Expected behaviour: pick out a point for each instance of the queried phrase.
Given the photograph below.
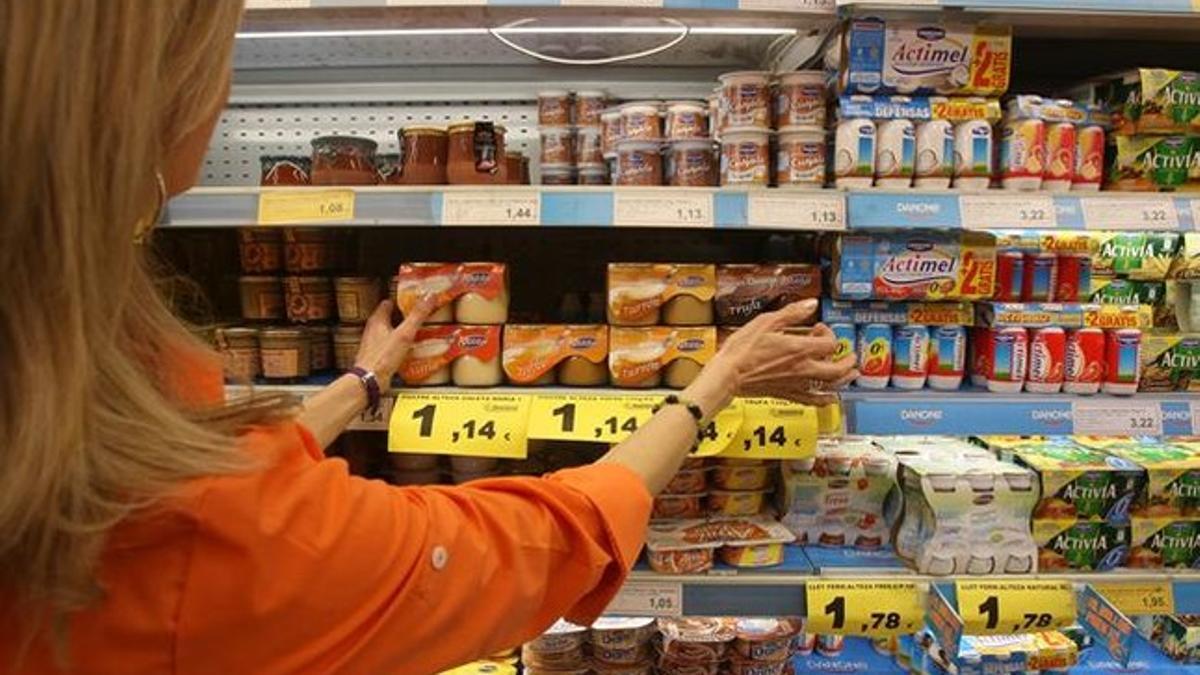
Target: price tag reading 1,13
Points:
(289, 207)
(663, 208)
(1117, 418)
(998, 607)
(583, 417)
(774, 429)
(798, 211)
(478, 425)
(874, 608)
(494, 207)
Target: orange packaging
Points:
(447, 281)
(436, 347)
(638, 291)
(530, 352)
(657, 355)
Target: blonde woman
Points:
(146, 526)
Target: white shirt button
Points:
(440, 557)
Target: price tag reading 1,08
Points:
(478, 425)
(289, 207)
(874, 608)
(998, 607)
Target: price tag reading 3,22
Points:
(478, 425)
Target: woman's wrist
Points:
(713, 390)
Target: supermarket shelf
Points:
(763, 208)
(536, 206)
(981, 412)
(998, 209)
(259, 7)
(1063, 19)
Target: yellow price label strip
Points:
(872, 608)
(1139, 598)
(1001, 607)
(588, 417)
(286, 207)
(774, 429)
(474, 425)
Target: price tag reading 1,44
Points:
(774, 429)
(1117, 418)
(583, 417)
(288, 207)
(874, 608)
(998, 607)
(491, 207)
(478, 425)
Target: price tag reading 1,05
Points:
(644, 598)
(289, 207)
(478, 425)
(998, 607)
(873, 608)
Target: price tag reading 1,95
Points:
(998, 607)
(584, 417)
(774, 429)
(288, 207)
(1139, 598)
(874, 608)
(478, 425)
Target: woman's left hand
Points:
(383, 347)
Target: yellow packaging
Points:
(531, 352)
(657, 355)
(638, 292)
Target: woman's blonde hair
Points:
(93, 422)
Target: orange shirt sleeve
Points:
(304, 568)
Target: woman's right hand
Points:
(761, 359)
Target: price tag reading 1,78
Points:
(582, 417)
(478, 425)
(999, 607)
(873, 608)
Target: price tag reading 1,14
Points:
(478, 425)
(874, 608)
(774, 429)
(663, 208)
(999, 607)
(495, 207)
(582, 417)
(289, 207)
(1117, 418)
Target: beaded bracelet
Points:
(693, 409)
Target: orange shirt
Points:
(301, 568)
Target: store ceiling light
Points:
(515, 30)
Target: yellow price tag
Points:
(286, 207)
(774, 429)
(721, 431)
(873, 608)
(829, 419)
(588, 417)
(474, 425)
(1138, 598)
(1000, 607)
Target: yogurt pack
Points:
(907, 57)
(914, 266)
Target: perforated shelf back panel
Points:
(245, 133)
